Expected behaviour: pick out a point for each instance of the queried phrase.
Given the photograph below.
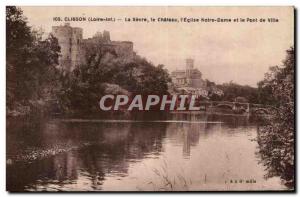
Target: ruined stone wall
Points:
(123, 48)
(74, 48)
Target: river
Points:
(179, 153)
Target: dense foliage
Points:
(276, 137)
(232, 92)
(31, 64)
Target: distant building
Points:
(189, 80)
(73, 46)
(190, 77)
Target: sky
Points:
(237, 51)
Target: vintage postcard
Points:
(150, 98)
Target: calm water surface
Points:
(182, 152)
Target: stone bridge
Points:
(237, 107)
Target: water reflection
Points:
(100, 155)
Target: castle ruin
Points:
(74, 47)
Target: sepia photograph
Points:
(150, 99)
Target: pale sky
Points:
(241, 52)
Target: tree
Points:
(232, 91)
(276, 136)
(18, 37)
(32, 75)
(18, 33)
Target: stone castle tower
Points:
(189, 70)
(189, 67)
(73, 46)
(189, 63)
(70, 40)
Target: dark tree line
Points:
(262, 94)
(234, 92)
(31, 64)
(276, 136)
